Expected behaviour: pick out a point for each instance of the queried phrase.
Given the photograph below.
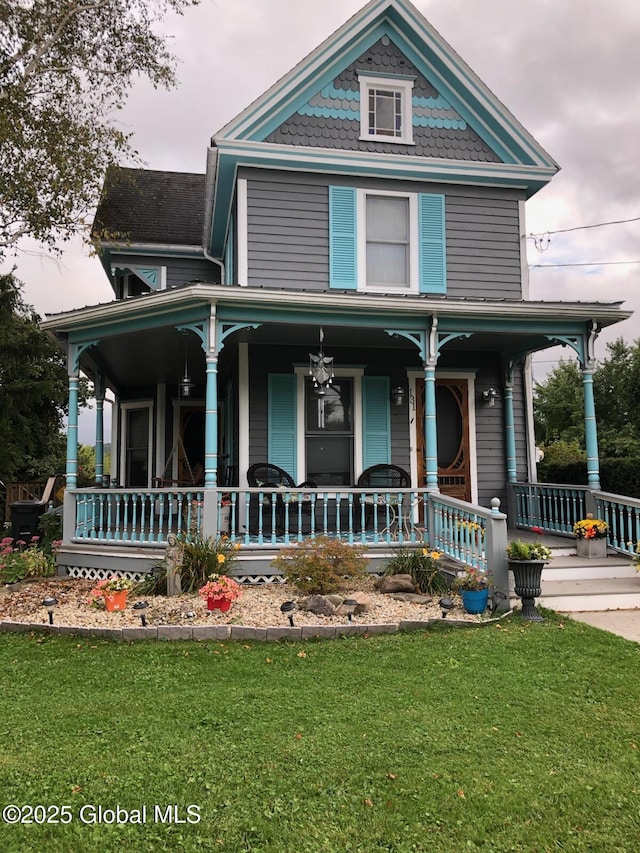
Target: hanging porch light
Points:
(321, 369)
(186, 386)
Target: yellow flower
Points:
(221, 558)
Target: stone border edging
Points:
(243, 632)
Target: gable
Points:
(310, 120)
(331, 118)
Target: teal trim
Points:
(510, 434)
(329, 112)
(343, 228)
(432, 237)
(590, 431)
(430, 428)
(150, 275)
(431, 121)
(138, 321)
(282, 438)
(376, 421)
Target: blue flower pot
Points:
(475, 600)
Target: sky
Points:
(567, 69)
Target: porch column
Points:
(72, 434)
(430, 430)
(99, 392)
(590, 429)
(509, 427)
(211, 424)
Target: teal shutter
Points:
(282, 445)
(343, 253)
(376, 441)
(433, 252)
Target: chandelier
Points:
(321, 369)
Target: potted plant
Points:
(473, 586)
(526, 561)
(113, 591)
(591, 536)
(219, 592)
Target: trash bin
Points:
(25, 516)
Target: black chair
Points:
(384, 477)
(276, 480)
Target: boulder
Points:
(363, 606)
(395, 583)
(411, 597)
(318, 604)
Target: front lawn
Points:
(515, 737)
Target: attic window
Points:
(385, 109)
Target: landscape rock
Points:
(318, 604)
(412, 597)
(395, 583)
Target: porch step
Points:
(568, 566)
(575, 596)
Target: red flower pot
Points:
(116, 600)
(218, 603)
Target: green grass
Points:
(521, 737)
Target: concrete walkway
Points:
(625, 623)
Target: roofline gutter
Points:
(242, 297)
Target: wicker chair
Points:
(386, 478)
(275, 479)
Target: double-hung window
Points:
(388, 241)
(385, 108)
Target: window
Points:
(387, 242)
(385, 109)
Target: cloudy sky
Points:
(567, 69)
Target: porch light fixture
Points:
(490, 395)
(287, 608)
(49, 601)
(321, 369)
(186, 386)
(140, 607)
(398, 396)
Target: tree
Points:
(559, 406)
(33, 391)
(66, 67)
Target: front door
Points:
(452, 419)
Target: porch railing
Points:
(555, 509)
(268, 518)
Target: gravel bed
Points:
(258, 606)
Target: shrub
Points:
(321, 565)
(421, 564)
(202, 557)
(19, 560)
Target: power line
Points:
(584, 227)
(585, 264)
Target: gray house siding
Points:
(288, 233)
(490, 433)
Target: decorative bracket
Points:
(198, 329)
(75, 353)
(225, 329)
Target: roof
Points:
(144, 206)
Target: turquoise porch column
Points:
(590, 429)
(72, 434)
(510, 429)
(211, 424)
(99, 392)
(430, 428)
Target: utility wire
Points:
(584, 227)
(585, 264)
